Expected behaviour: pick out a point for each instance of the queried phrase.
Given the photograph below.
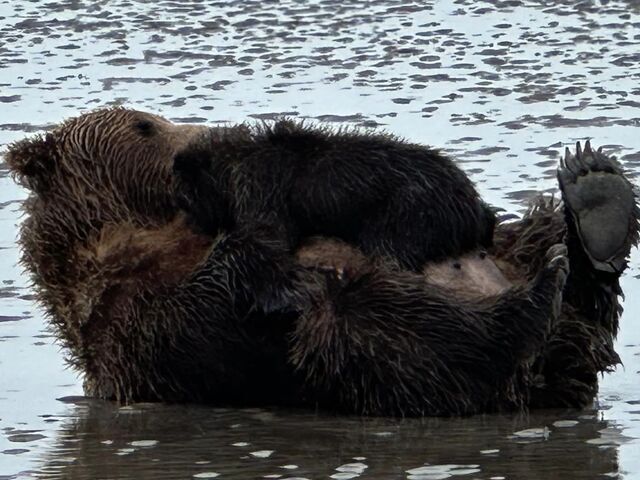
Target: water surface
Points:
(503, 86)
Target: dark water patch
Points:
(387, 115)
(42, 335)
(487, 151)
(12, 318)
(339, 118)
(426, 66)
(75, 400)
(9, 292)
(273, 115)
(464, 140)
(177, 102)
(537, 97)
(559, 121)
(473, 119)
(3, 205)
(109, 83)
(190, 72)
(547, 163)
(219, 85)
(25, 127)
(120, 61)
(550, 151)
(523, 196)
(190, 119)
(15, 451)
(24, 437)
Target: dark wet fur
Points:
(385, 195)
(131, 293)
(388, 344)
(580, 346)
(150, 310)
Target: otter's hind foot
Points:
(602, 203)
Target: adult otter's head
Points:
(102, 228)
(104, 171)
(110, 163)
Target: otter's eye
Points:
(457, 266)
(144, 128)
(483, 255)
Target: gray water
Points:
(502, 86)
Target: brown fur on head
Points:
(33, 161)
(101, 168)
(93, 181)
(116, 160)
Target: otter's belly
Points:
(471, 276)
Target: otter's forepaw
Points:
(337, 277)
(602, 204)
(558, 263)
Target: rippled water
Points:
(503, 86)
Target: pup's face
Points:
(474, 275)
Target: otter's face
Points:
(116, 161)
(471, 276)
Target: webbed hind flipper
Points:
(602, 203)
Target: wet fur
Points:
(364, 188)
(339, 342)
(387, 344)
(149, 309)
(580, 346)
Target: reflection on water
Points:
(502, 85)
(152, 441)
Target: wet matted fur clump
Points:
(171, 262)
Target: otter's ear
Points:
(32, 161)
